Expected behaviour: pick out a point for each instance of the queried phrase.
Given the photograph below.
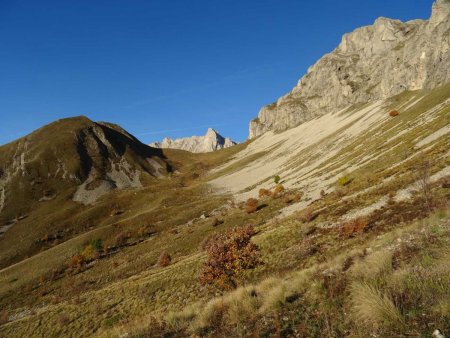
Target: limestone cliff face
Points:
(371, 63)
(212, 141)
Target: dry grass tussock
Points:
(373, 307)
(373, 266)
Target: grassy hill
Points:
(363, 252)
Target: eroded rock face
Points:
(212, 141)
(371, 63)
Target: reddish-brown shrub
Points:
(77, 262)
(307, 215)
(229, 255)
(251, 205)
(353, 227)
(63, 319)
(4, 317)
(264, 192)
(164, 259)
(292, 197)
(121, 239)
(393, 113)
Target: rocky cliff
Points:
(371, 63)
(212, 141)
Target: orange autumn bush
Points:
(229, 255)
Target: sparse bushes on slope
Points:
(251, 205)
(229, 255)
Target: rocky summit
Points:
(371, 63)
(211, 141)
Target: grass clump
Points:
(373, 307)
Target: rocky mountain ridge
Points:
(211, 141)
(371, 63)
(74, 156)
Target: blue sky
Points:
(166, 67)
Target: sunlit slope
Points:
(364, 138)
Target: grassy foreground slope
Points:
(365, 251)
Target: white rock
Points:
(212, 141)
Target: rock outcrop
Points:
(212, 141)
(371, 63)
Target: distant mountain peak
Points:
(211, 141)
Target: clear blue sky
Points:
(166, 67)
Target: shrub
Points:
(344, 181)
(292, 197)
(354, 226)
(307, 215)
(89, 252)
(77, 262)
(164, 259)
(121, 239)
(97, 244)
(229, 255)
(63, 319)
(393, 113)
(277, 179)
(251, 205)
(4, 317)
(264, 192)
(279, 189)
